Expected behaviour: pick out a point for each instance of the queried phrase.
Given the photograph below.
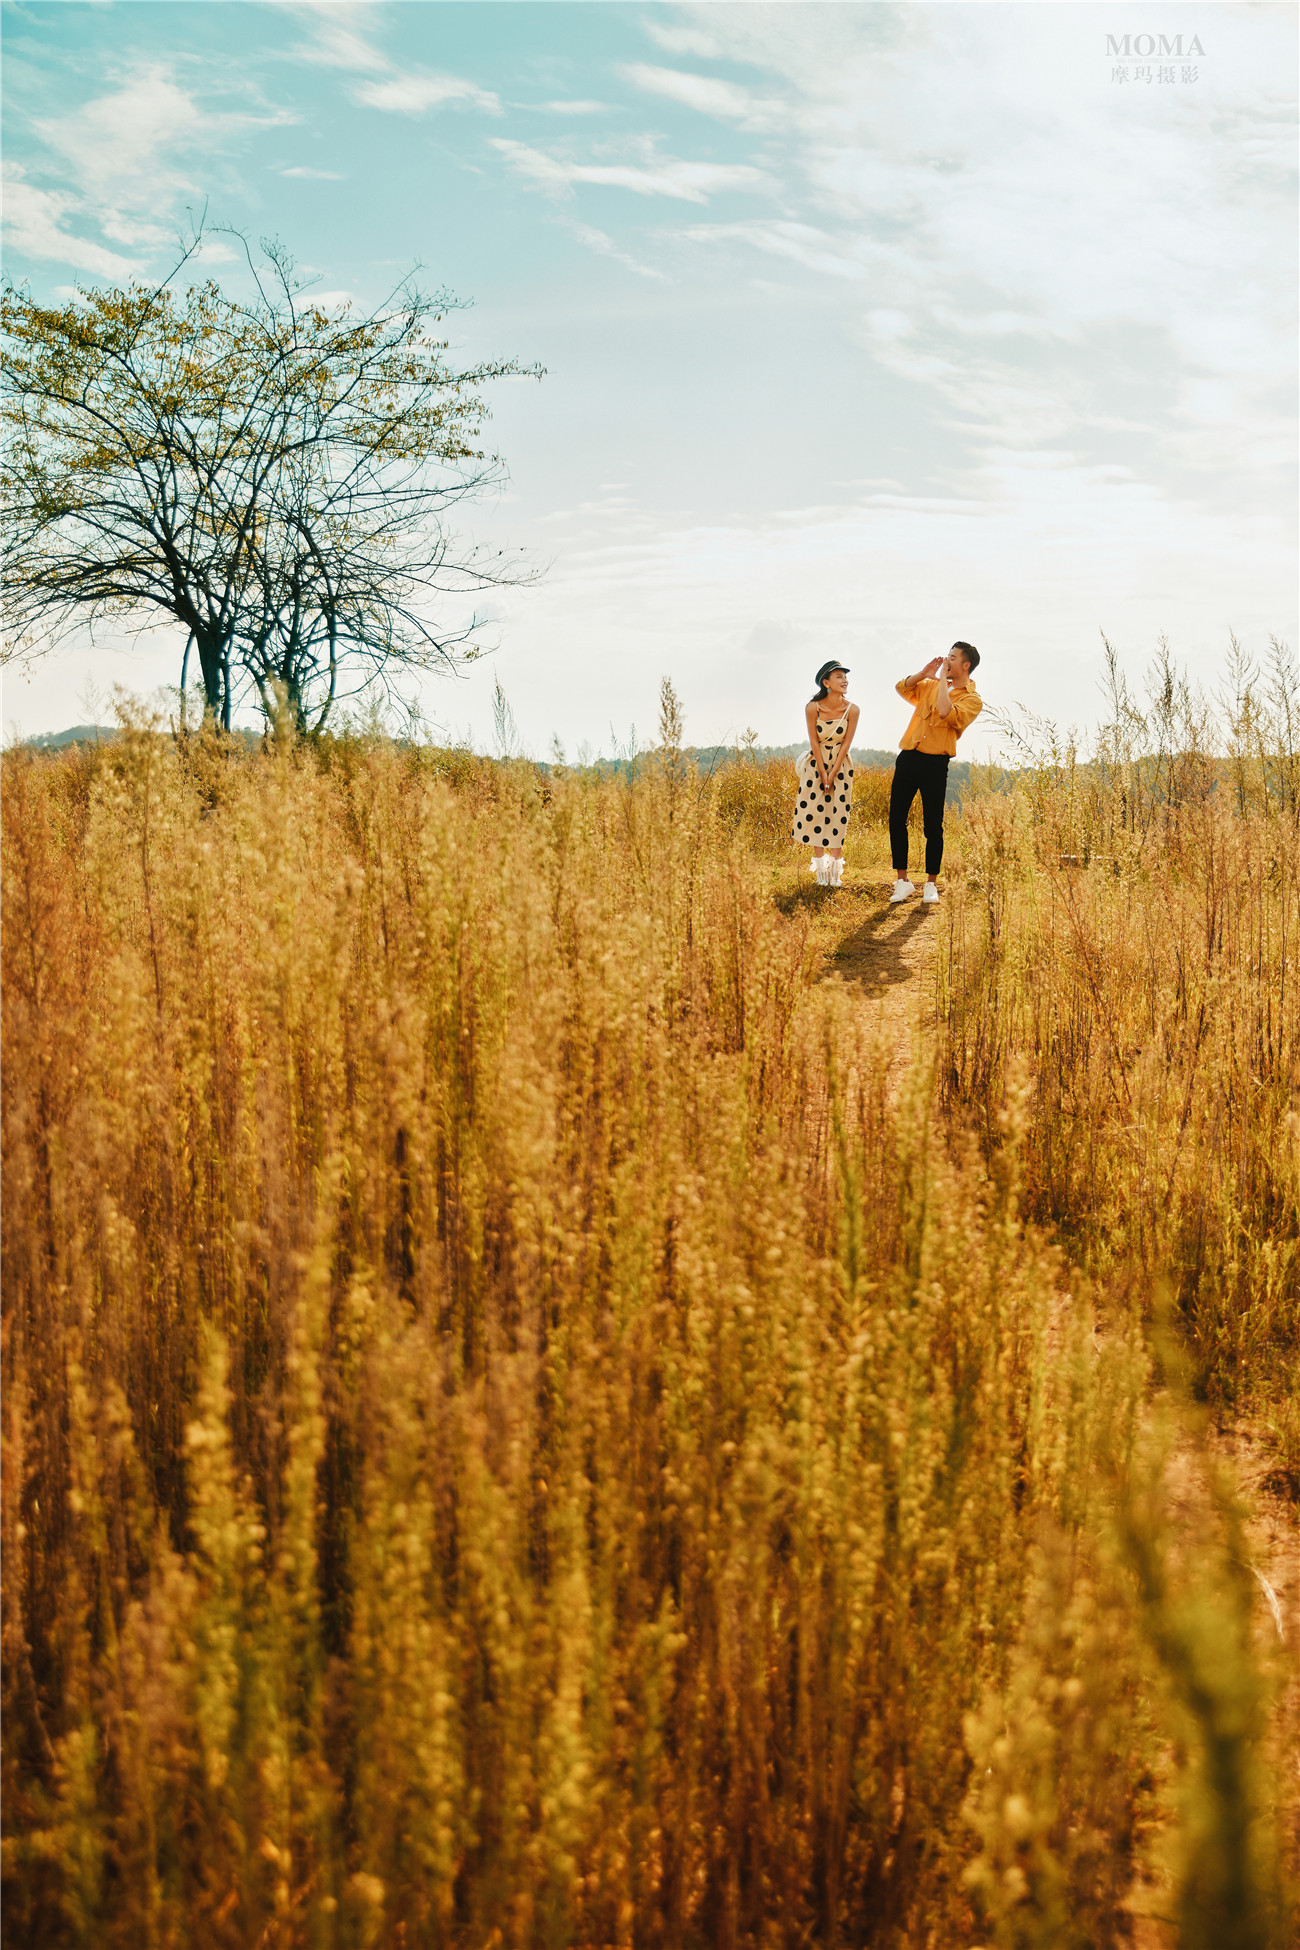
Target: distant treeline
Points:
(707, 757)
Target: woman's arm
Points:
(815, 742)
(849, 730)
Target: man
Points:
(944, 702)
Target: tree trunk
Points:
(296, 705)
(211, 663)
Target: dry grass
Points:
(513, 1438)
(753, 798)
(1135, 942)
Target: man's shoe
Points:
(903, 891)
(930, 898)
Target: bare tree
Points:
(274, 475)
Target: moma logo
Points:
(1146, 45)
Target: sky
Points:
(866, 327)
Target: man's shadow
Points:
(873, 955)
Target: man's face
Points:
(957, 668)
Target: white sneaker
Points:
(903, 891)
(837, 873)
(930, 898)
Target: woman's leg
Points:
(837, 846)
(901, 794)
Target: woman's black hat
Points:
(826, 670)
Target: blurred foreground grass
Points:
(516, 1435)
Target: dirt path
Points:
(884, 952)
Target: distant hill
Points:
(104, 734)
(79, 734)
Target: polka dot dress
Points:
(822, 818)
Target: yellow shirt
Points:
(928, 732)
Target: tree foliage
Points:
(273, 473)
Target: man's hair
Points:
(970, 653)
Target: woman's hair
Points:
(827, 670)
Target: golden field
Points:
(524, 1426)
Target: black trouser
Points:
(926, 773)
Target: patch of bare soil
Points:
(881, 951)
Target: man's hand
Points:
(932, 669)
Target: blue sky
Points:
(865, 326)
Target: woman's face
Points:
(838, 683)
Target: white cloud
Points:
(674, 39)
(886, 324)
(313, 175)
(686, 182)
(1040, 552)
(704, 93)
(999, 324)
(327, 300)
(565, 108)
(414, 94)
(337, 43)
(214, 249)
(802, 243)
(35, 222)
(604, 246)
(123, 146)
(119, 165)
(976, 167)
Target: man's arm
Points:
(943, 696)
(966, 707)
(910, 685)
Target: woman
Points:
(821, 814)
